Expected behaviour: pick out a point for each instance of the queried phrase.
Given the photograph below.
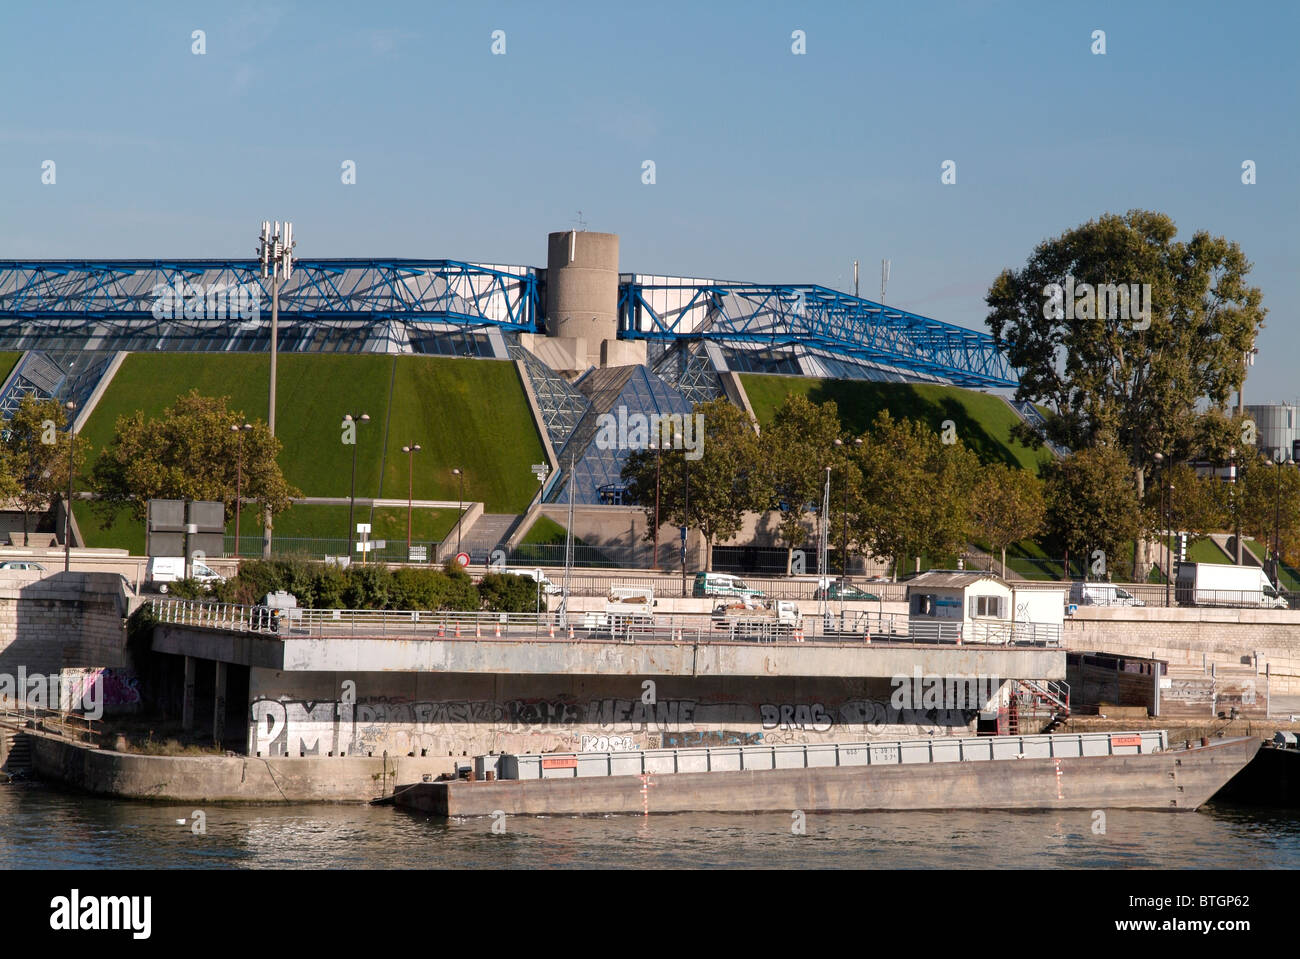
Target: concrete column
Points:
(219, 703)
(187, 700)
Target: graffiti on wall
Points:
(290, 727)
(118, 688)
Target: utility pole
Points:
(275, 251)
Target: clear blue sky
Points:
(769, 166)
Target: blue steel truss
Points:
(815, 318)
(117, 302)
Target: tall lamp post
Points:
(275, 252)
(1277, 518)
(72, 461)
(460, 515)
(1162, 491)
(844, 542)
(352, 500)
(239, 431)
(410, 452)
(1236, 513)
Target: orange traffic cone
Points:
(478, 630)
(442, 629)
(498, 633)
(551, 631)
(458, 630)
(570, 631)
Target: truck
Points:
(164, 570)
(742, 618)
(625, 607)
(1219, 584)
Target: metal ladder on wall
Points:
(1032, 694)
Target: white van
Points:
(168, 569)
(1102, 594)
(537, 576)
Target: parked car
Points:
(722, 584)
(22, 564)
(845, 591)
(163, 570)
(1102, 594)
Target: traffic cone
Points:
(570, 631)
(498, 633)
(458, 630)
(478, 630)
(442, 629)
(551, 631)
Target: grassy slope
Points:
(7, 363)
(983, 422)
(471, 413)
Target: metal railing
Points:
(283, 547)
(595, 625)
(61, 722)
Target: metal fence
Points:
(282, 547)
(684, 627)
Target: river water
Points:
(43, 826)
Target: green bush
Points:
(504, 593)
(320, 586)
(190, 589)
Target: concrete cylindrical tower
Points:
(582, 286)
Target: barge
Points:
(1272, 778)
(1136, 770)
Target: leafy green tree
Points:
(1269, 504)
(725, 482)
(189, 452)
(34, 464)
(1154, 373)
(1197, 505)
(1007, 506)
(795, 449)
(506, 593)
(914, 495)
(1092, 505)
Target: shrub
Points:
(504, 593)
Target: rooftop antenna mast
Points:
(855, 277)
(884, 278)
(582, 224)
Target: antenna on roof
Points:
(884, 278)
(582, 224)
(855, 277)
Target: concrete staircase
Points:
(488, 532)
(17, 750)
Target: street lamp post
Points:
(239, 432)
(658, 444)
(1236, 513)
(1164, 517)
(460, 515)
(844, 542)
(352, 500)
(72, 460)
(275, 252)
(1277, 520)
(410, 452)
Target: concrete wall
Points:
(1191, 637)
(62, 620)
(225, 779)
(316, 714)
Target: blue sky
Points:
(769, 166)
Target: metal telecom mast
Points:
(275, 252)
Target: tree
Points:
(189, 452)
(1197, 505)
(35, 460)
(725, 482)
(1092, 505)
(914, 494)
(1152, 372)
(796, 447)
(1007, 506)
(1270, 500)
